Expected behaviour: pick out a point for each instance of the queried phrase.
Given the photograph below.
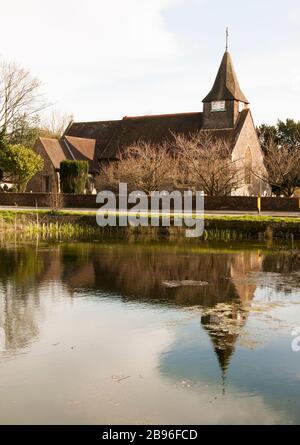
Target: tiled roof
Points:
(72, 149)
(226, 86)
(104, 140)
(83, 150)
(55, 151)
(102, 132)
(113, 136)
(152, 129)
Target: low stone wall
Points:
(46, 200)
(232, 203)
(280, 205)
(249, 204)
(24, 199)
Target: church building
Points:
(226, 114)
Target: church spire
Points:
(226, 86)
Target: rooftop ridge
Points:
(95, 122)
(77, 137)
(191, 113)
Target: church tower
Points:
(222, 106)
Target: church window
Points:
(47, 184)
(248, 166)
(218, 106)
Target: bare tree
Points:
(198, 161)
(283, 168)
(55, 125)
(56, 201)
(143, 167)
(206, 164)
(24, 130)
(19, 96)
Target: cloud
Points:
(90, 33)
(102, 59)
(79, 47)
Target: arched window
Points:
(248, 166)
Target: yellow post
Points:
(259, 204)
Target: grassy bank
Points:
(64, 224)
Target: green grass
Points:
(10, 215)
(254, 218)
(77, 224)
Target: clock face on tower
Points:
(218, 106)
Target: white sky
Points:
(104, 59)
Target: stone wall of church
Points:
(248, 140)
(46, 180)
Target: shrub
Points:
(74, 176)
(19, 164)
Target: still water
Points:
(149, 334)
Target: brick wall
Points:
(232, 203)
(45, 200)
(238, 203)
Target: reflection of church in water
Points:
(136, 274)
(225, 323)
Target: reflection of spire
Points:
(223, 324)
(224, 355)
(223, 342)
(224, 383)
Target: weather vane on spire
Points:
(227, 38)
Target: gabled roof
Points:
(55, 151)
(113, 136)
(82, 149)
(103, 132)
(70, 148)
(226, 86)
(152, 129)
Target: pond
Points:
(149, 333)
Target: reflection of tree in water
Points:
(22, 272)
(282, 262)
(19, 299)
(282, 271)
(139, 276)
